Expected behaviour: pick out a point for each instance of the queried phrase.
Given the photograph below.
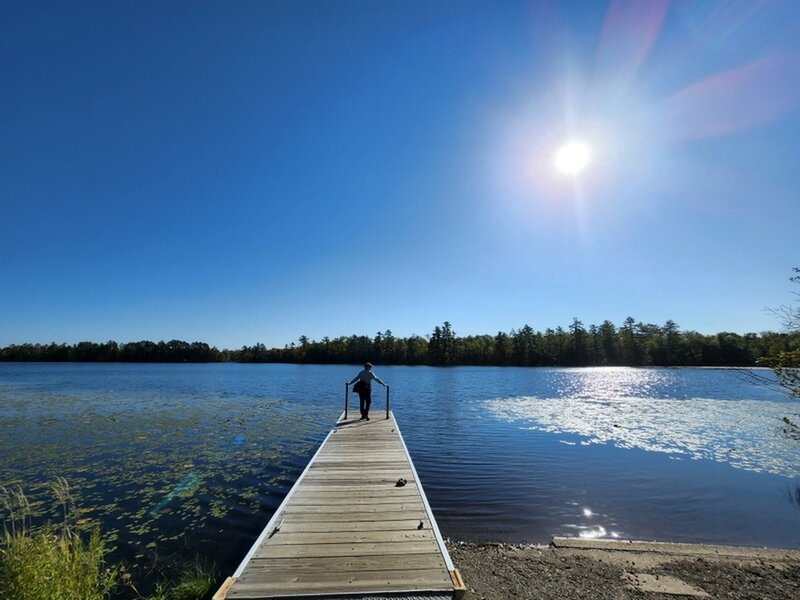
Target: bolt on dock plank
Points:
(348, 530)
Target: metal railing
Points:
(347, 399)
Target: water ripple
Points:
(743, 433)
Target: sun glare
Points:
(573, 157)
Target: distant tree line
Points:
(144, 351)
(631, 344)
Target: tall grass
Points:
(194, 583)
(56, 562)
(51, 561)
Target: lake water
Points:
(178, 460)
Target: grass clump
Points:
(56, 562)
(194, 583)
(51, 561)
(48, 564)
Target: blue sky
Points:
(241, 172)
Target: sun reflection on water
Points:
(602, 409)
(593, 532)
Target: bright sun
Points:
(573, 157)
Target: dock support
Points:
(222, 592)
(459, 589)
(387, 401)
(346, 397)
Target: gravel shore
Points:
(621, 570)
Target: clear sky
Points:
(241, 172)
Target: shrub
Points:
(51, 561)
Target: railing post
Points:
(346, 398)
(387, 401)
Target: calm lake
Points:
(178, 460)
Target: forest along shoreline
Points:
(632, 344)
(599, 569)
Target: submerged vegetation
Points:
(159, 467)
(634, 343)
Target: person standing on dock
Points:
(363, 385)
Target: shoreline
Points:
(606, 569)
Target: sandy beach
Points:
(569, 568)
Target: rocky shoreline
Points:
(573, 568)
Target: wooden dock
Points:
(348, 530)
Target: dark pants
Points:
(364, 400)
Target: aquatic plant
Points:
(56, 561)
(195, 582)
(51, 561)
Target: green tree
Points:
(503, 348)
(608, 335)
(436, 347)
(523, 342)
(786, 365)
(450, 345)
(630, 350)
(391, 352)
(577, 343)
(416, 350)
(671, 338)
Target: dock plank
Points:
(350, 537)
(353, 525)
(316, 551)
(347, 528)
(352, 582)
(350, 516)
(379, 562)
